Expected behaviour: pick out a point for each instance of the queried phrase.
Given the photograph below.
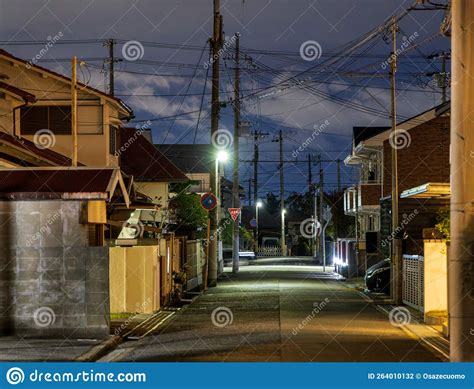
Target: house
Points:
(196, 161)
(421, 160)
(423, 186)
(150, 172)
(35, 106)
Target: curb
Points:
(100, 350)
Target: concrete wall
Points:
(436, 278)
(52, 283)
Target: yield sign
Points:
(234, 213)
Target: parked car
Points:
(377, 277)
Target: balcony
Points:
(363, 198)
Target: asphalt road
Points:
(278, 310)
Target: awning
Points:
(67, 183)
(429, 190)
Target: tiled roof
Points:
(57, 182)
(45, 70)
(140, 159)
(30, 148)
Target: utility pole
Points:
(235, 186)
(461, 250)
(255, 167)
(74, 109)
(315, 229)
(441, 77)
(444, 77)
(339, 175)
(321, 209)
(111, 61)
(396, 254)
(310, 178)
(282, 195)
(216, 43)
(256, 135)
(249, 181)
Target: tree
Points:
(189, 213)
(272, 203)
(342, 225)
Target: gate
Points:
(413, 274)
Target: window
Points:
(56, 119)
(114, 140)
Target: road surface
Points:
(278, 310)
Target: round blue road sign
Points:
(253, 223)
(208, 201)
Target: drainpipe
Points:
(461, 252)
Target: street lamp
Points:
(283, 244)
(221, 156)
(258, 204)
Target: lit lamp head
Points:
(222, 156)
(283, 211)
(259, 204)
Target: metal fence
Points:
(413, 274)
(269, 251)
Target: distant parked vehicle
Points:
(377, 277)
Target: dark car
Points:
(377, 277)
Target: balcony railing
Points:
(362, 195)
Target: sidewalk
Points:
(431, 336)
(58, 350)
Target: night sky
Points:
(169, 78)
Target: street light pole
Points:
(283, 243)
(216, 43)
(235, 184)
(258, 204)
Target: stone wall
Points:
(52, 284)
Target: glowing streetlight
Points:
(222, 156)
